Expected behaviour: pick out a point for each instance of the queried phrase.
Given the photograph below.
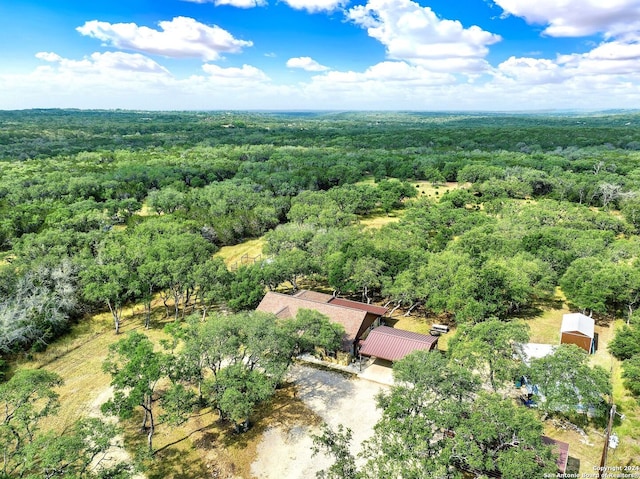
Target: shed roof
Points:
(286, 306)
(578, 322)
(394, 344)
(531, 351)
(562, 448)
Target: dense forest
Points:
(104, 209)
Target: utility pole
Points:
(605, 449)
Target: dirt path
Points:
(117, 453)
(285, 452)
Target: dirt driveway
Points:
(338, 399)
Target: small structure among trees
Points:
(560, 448)
(579, 329)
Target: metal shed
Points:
(578, 329)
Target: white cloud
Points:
(314, 6)
(233, 3)
(110, 63)
(49, 56)
(575, 18)
(416, 34)
(306, 63)
(528, 71)
(606, 77)
(386, 73)
(181, 37)
(386, 85)
(242, 3)
(610, 58)
(246, 74)
(614, 60)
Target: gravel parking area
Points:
(338, 398)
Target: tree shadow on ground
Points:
(212, 435)
(532, 312)
(174, 463)
(285, 410)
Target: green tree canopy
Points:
(26, 400)
(567, 383)
(135, 370)
(491, 346)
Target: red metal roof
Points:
(394, 344)
(369, 308)
(562, 448)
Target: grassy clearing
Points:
(545, 328)
(146, 210)
(380, 221)
(422, 325)
(6, 257)
(78, 359)
(235, 254)
(426, 188)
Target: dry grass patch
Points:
(380, 221)
(234, 255)
(78, 358)
(6, 258)
(146, 210)
(586, 448)
(426, 188)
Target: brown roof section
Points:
(394, 344)
(562, 448)
(313, 296)
(369, 308)
(347, 303)
(286, 306)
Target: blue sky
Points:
(500, 55)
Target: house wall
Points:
(369, 320)
(578, 339)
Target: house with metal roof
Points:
(394, 344)
(356, 318)
(579, 329)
